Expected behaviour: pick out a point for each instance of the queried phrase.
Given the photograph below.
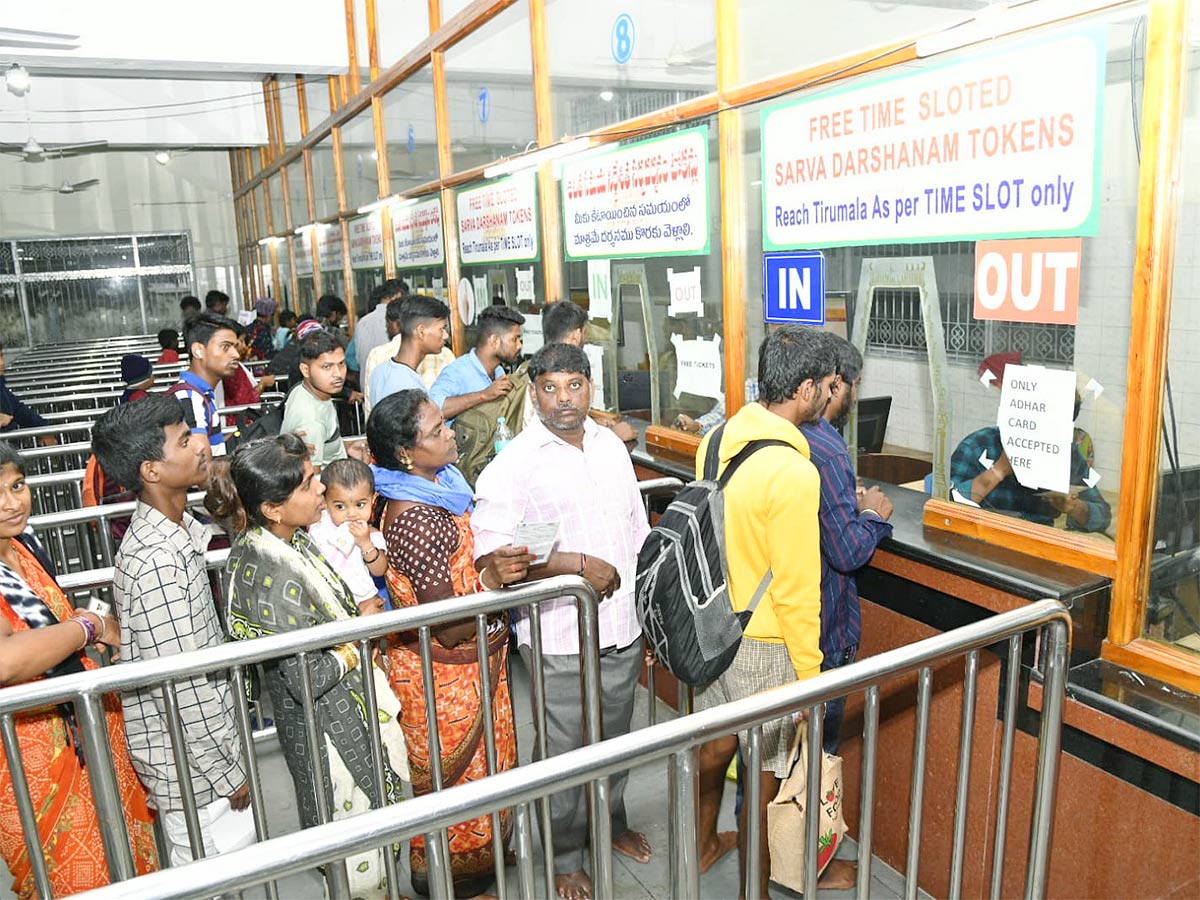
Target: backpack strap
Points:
(744, 454)
(712, 457)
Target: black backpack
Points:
(682, 594)
(266, 421)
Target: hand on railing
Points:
(601, 575)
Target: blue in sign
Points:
(794, 287)
(622, 38)
(412, 138)
(482, 105)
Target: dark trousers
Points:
(619, 671)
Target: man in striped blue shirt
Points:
(853, 524)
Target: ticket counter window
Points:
(642, 238)
(964, 396)
(518, 286)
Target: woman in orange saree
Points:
(41, 636)
(426, 524)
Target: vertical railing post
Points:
(1012, 682)
(1055, 655)
(93, 732)
(589, 664)
(920, 739)
(964, 774)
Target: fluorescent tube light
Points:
(537, 157)
(378, 204)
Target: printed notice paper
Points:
(1037, 428)
(366, 241)
(600, 304)
(531, 333)
(685, 292)
(524, 284)
(595, 355)
(698, 365)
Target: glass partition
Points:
(399, 26)
(277, 199)
(324, 179)
(411, 133)
(489, 90)
(610, 61)
(298, 193)
(776, 35)
(359, 161)
(283, 266)
(306, 301)
(316, 99)
(329, 246)
(289, 108)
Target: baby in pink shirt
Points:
(354, 549)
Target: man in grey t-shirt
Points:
(309, 411)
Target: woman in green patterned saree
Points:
(279, 582)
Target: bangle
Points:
(481, 584)
(89, 630)
(373, 558)
(582, 563)
(348, 654)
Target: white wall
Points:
(135, 194)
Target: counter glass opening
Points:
(1064, 394)
(647, 267)
(284, 269)
(1173, 599)
(306, 301)
(366, 258)
(329, 246)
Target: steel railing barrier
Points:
(89, 529)
(85, 691)
(677, 741)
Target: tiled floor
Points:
(646, 803)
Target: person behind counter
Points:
(995, 487)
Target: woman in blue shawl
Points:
(431, 556)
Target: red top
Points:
(167, 356)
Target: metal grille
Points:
(896, 328)
(84, 288)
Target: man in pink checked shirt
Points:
(564, 469)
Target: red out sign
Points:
(1034, 280)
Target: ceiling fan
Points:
(34, 151)
(67, 187)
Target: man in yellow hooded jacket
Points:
(771, 523)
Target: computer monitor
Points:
(1177, 521)
(872, 423)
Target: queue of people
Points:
(323, 529)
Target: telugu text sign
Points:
(996, 145)
(366, 241)
(1033, 280)
(498, 221)
(644, 199)
(417, 231)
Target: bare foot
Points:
(634, 845)
(726, 841)
(576, 886)
(839, 875)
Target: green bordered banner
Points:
(417, 232)
(997, 145)
(498, 221)
(644, 199)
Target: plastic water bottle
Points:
(503, 434)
